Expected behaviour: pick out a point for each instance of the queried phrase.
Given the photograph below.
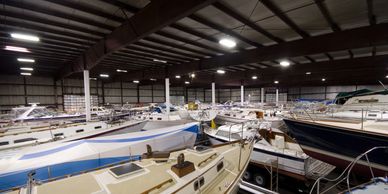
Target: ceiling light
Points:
(227, 42)
(121, 71)
(254, 77)
(27, 68)
(104, 75)
(153, 79)
(220, 71)
(25, 73)
(308, 73)
(192, 75)
(93, 78)
(26, 60)
(323, 79)
(136, 81)
(386, 76)
(18, 49)
(161, 61)
(284, 63)
(276, 82)
(186, 82)
(25, 37)
(178, 76)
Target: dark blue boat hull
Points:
(338, 146)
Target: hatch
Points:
(126, 170)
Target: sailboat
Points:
(206, 170)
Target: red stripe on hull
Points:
(359, 169)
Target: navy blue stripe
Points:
(193, 129)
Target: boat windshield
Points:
(39, 112)
(19, 111)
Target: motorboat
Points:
(38, 113)
(272, 146)
(56, 159)
(236, 116)
(337, 142)
(362, 104)
(203, 115)
(69, 131)
(204, 170)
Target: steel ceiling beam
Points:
(90, 10)
(371, 15)
(175, 52)
(348, 39)
(122, 5)
(325, 12)
(188, 41)
(48, 37)
(229, 32)
(150, 19)
(246, 21)
(194, 32)
(177, 46)
(33, 7)
(279, 13)
(43, 29)
(158, 53)
(50, 22)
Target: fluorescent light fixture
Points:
(136, 81)
(220, 71)
(308, 73)
(226, 42)
(93, 78)
(121, 70)
(323, 79)
(276, 82)
(17, 49)
(284, 63)
(254, 77)
(25, 37)
(27, 68)
(25, 73)
(178, 76)
(152, 79)
(26, 60)
(192, 75)
(186, 82)
(161, 61)
(104, 75)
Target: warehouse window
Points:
(76, 103)
(4, 143)
(24, 140)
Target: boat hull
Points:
(289, 164)
(60, 159)
(339, 146)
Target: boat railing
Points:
(345, 175)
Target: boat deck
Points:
(369, 126)
(156, 177)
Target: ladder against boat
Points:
(273, 169)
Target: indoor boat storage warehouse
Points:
(193, 96)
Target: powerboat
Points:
(56, 159)
(272, 146)
(212, 170)
(337, 142)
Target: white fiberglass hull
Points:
(57, 159)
